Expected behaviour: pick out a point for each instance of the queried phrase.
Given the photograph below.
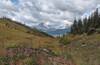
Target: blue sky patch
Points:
(15, 1)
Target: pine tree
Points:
(80, 26)
(74, 27)
(96, 18)
(85, 21)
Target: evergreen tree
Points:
(80, 26)
(74, 27)
(85, 21)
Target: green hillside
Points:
(14, 33)
(22, 45)
(82, 44)
(84, 50)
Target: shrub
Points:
(64, 40)
(30, 61)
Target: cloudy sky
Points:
(50, 13)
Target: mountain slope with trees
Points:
(83, 42)
(22, 45)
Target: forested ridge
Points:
(87, 24)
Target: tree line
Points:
(86, 25)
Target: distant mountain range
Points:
(53, 31)
(58, 32)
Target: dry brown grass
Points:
(13, 34)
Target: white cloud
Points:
(53, 13)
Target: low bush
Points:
(64, 40)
